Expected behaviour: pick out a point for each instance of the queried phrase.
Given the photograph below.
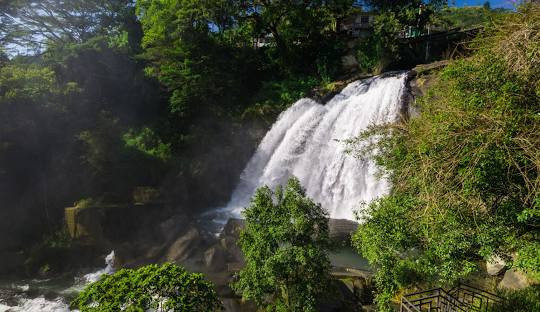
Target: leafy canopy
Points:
(285, 244)
(211, 54)
(163, 288)
(32, 25)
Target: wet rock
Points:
(514, 279)
(185, 246)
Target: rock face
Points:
(514, 280)
(495, 266)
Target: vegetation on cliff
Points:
(465, 172)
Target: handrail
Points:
(422, 292)
(480, 291)
(410, 305)
(462, 298)
(477, 299)
(453, 301)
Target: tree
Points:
(465, 172)
(31, 115)
(61, 132)
(32, 25)
(203, 51)
(198, 54)
(164, 287)
(285, 244)
(297, 29)
(394, 17)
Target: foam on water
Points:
(42, 304)
(109, 268)
(39, 304)
(304, 142)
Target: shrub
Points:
(162, 288)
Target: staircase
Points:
(462, 298)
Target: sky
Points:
(494, 3)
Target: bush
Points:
(162, 288)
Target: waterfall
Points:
(304, 142)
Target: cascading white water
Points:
(304, 142)
(109, 269)
(42, 304)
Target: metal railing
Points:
(436, 300)
(463, 298)
(476, 299)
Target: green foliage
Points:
(465, 172)
(63, 113)
(28, 26)
(525, 300)
(285, 244)
(277, 95)
(371, 55)
(206, 52)
(26, 82)
(201, 67)
(58, 239)
(147, 141)
(465, 17)
(164, 287)
(382, 47)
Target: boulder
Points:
(185, 246)
(514, 280)
(495, 266)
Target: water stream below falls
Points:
(47, 295)
(306, 141)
